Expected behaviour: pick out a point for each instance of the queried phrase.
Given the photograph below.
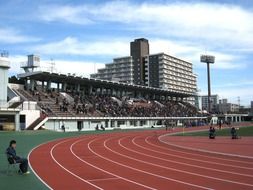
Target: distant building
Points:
(251, 107)
(120, 70)
(198, 102)
(225, 107)
(139, 48)
(168, 72)
(214, 102)
(156, 70)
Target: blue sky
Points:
(80, 36)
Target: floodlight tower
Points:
(208, 59)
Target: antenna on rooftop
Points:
(4, 53)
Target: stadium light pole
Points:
(208, 59)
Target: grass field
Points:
(245, 131)
(26, 140)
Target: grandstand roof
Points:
(72, 79)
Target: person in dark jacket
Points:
(212, 133)
(234, 133)
(13, 158)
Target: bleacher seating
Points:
(56, 104)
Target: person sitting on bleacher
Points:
(13, 158)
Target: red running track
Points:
(135, 160)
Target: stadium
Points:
(126, 127)
(126, 95)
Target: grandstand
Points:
(46, 100)
(75, 101)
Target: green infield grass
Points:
(26, 141)
(244, 131)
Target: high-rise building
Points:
(156, 70)
(168, 72)
(139, 48)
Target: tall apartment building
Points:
(168, 72)
(156, 70)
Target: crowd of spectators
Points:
(107, 106)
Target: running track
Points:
(135, 160)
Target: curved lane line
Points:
(78, 177)
(229, 165)
(201, 150)
(177, 170)
(128, 180)
(142, 171)
(30, 165)
(176, 162)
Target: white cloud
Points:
(120, 47)
(82, 68)
(73, 46)
(189, 52)
(64, 13)
(213, 24)
(10, 36)
(15, 61)
(199, 26)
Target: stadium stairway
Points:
(38, 122)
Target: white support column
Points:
(32, 83)
(64, 87)
(127, 123)
(48, 85)
(109, 124)
(90, 90)
(58, 87)
(77, 87)
(17, 122)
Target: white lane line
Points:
(178, 170)
(138, 152)
(120, 177)
(205, 151)
(78, 177)
(142, 171)
(181, 163)
(187, 158)
(36, 174)
(104, 179)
